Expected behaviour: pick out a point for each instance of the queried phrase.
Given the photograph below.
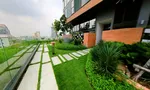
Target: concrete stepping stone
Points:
(36, 58)
(48, 80)
(76, 54)
(45, 58)
(56, 60)
(21, 61)
(62, 58)
(80, 52)
(41, 46)
(34, 46)
(4, 79)
(30, 79)
(3, 66)
(20, 53)
(45, 45)
(29, 46)
(40, 49)
(84, 52)
(67, 57)
(46, 49)
(12, 60)
(30, 50)
(73, 56)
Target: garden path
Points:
(40, 74)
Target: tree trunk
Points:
(137, 76)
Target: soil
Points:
(144, 83)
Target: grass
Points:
(58, 51)
(71, 75)
(69, 46)
(100, 81)
(10, 51)
(40, 71)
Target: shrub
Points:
(67, 46)
(77, 42)
(105, 55)
(101, 82)
(137, 53)
(60, 40)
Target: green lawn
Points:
(10, 51)
(58, 51)
(71, 75)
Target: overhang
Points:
(83, 9)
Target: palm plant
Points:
(105, 55)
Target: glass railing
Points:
(13, 55)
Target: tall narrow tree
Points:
(56, 26)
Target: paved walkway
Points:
(45, 80)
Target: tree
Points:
(65, 27)
(56, 26)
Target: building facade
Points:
(53, 33)
(99, 16)
(5, 36)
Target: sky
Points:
(25, 17)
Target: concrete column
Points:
(99, 29)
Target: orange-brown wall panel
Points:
(125, 35)
(89, 39)
(83, 9)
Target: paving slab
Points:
(21, 61)
(41, 46)
(45, 58)
(46, 49)
(67, 57)
(56, 60)
(3, 66)
(12, 60)
(45, 45)
(29, 46)
(36, 58)
(30, 50)
(34, 46)
(20, 53)
(48, 80)
(76, 54)
(62, 58)
(73, 56)
(80, 52)
(4, 79)
(84, 52)
(30, 79)
(40, 49)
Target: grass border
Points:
(40, 71)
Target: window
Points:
(66, 13)
(84, 2)
(72, 6)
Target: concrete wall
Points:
(144, 14)
(125, 35)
